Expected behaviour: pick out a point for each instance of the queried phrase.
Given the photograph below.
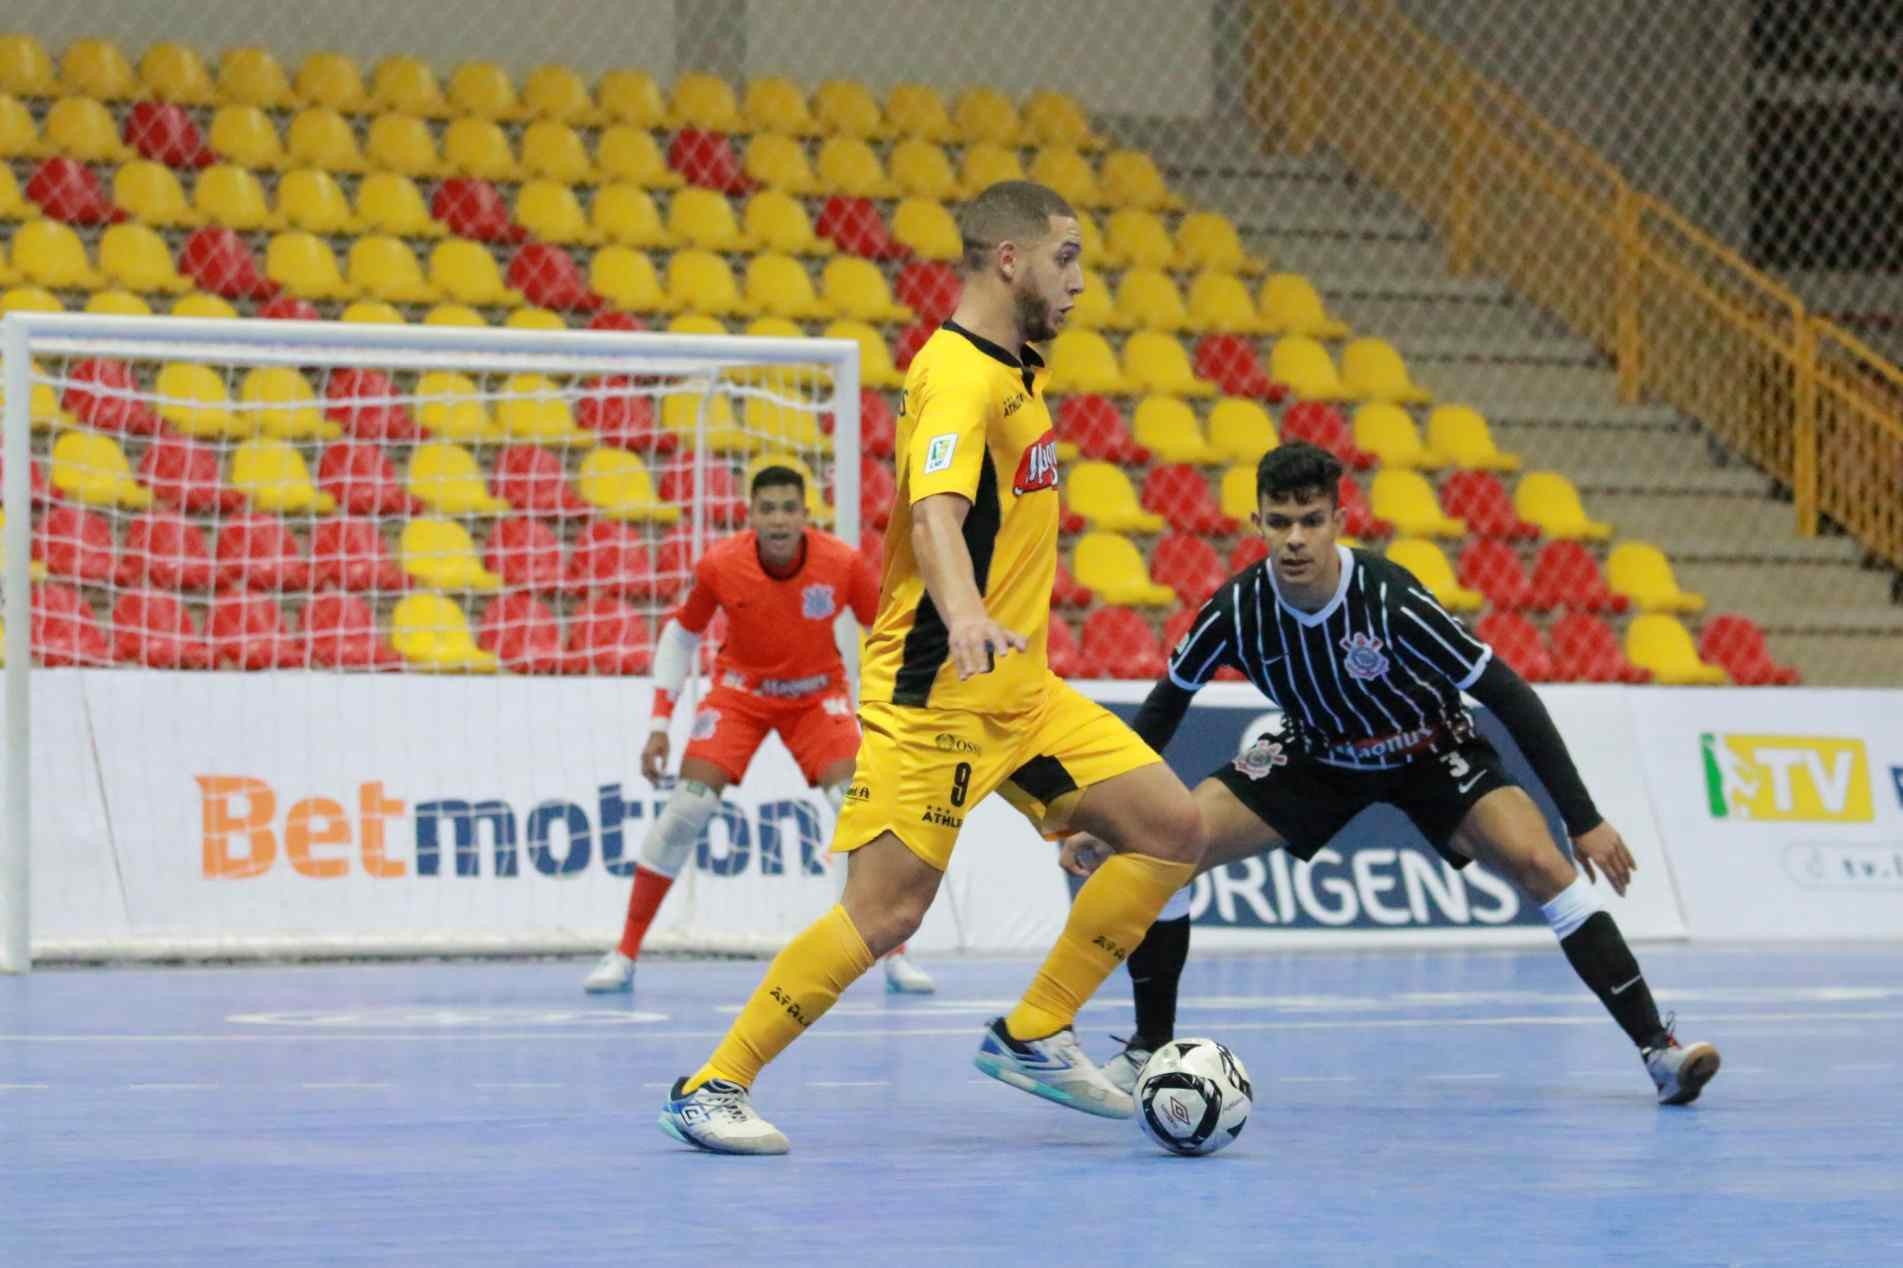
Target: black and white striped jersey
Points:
(1369, 681)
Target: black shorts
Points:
(1307, 802)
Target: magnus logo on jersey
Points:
(1786, 778)
(817, 602)
(1362, 657)
(1037, 469)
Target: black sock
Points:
(1156, 968)
(1600, 956)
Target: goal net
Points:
(332, 638)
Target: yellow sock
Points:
(803, 981)
(1110, 916)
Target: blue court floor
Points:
(1453, 1108)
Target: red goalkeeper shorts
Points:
(730, 726)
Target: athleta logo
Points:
(1014, 404)
(817, 603)
(792, 1007)
(941, 817)
(1363, 656)
(858, 792)
(1103, 943)
(1037, 469)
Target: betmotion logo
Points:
(1786, 778)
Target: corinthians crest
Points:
(1363, 657)
(1261, 757)
(816, 602)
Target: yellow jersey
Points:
(972, 421)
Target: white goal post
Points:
(238, 810)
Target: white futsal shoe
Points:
(1680, 1071)
(902, 977)
(1122, 1070)
(718, 1116)
(1054, 1068)
(613, 974)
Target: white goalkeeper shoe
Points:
(1680, 1072)
(902, 977)
(1123, 1069)
(1054, 1068)
(718, 1116)
(613, 974)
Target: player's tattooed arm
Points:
(944, 562)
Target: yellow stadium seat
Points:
(1641, 572)
(273, 475)
(1111, 565)
(1053, 118)
(97, 69)
(385, 268)
(555, 151)
(1168, 428)
(916, 110)
(194, 400)
(1241, 430)
(431, 633)
(453, 315)
(30, 299)
(1460, 432)
(13, 206)
(229, 195)
(875, 359)
(407, 85)
(402, 143)
(625, 153)
(776, 221)
(1137, 239)
(19, 135)
(90, 467)
(152, 194)
(448, 479)
(681, 414)
(533, 409)
(550, 211)
(1070, 174)
(390, 203)
(701, 100)
(776, 104)
(439, 553)
(626, 277)
(856, 288)
(322, 138)
(1306, 368)
(703, 219)
(1388, 433)
(1129, 179)
(283, 404)
(1102, 494)
(1290, 306)
(479, 148)
(1095, 307)
(779, 162)
(848, 166)
(1430, 567)
(465, 272)
(311, 199)
(375, 312)
(924, 225)
(303, 265)
(199, 304)
(1148, 300)
(1218, 301)
(920, 169)
(1549, 500)
(846, 107)
(136, 258)
(778, 286)
(450, 407)
(175, 72)
(118, 304)
(253, 77)
(332, 81)
(44, 411)
(1659, 643)
(1080, 361)
(26, 69)
(483, 89)
(985, 114)
(616, 483)
(631, 97)
(1406, 498)
(48, 253)
(1155, 362)
(700, 281)
(626, 214)
(987, 164)
(1207, 240)
(697, 324)
(1372, 370)
(782, 426)
(558, 93)
(82, 128)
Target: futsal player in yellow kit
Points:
(957, 701)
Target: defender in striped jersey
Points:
(1369, 671)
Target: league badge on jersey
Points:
(706, 722)
(1261, 757)
(1037, 469)
(817, 602)
(1363, 658)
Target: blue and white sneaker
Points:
(1680, 1071)
(902, 977)
(719, 1117)
(1123, 1069)
(613, 974)
(1054, 1068)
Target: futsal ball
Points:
(1193, 1096)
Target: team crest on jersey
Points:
(1261, 757)
(1363, 657)
(1037, 469)
(837, 706)
(706, 722)
(817, 602)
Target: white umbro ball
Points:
(1193, 1096)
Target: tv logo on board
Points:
(1787, 778)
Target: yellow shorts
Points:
(920, 771)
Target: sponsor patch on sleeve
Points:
(938, 455)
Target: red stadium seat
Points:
(39, 493)
(929, 287)
(1479, 498)
(548, 277)
(364, 402)
(1586, 650)
(95, 398)
(525, 635)
(248, 631)
(1068, 592)
(1179, 625)
(1231, 363)
(1180, 494)
(533, 480)
(1095, 425)
(1566, 575)
(64, 633)
(1069, 521)
(674, 562)
(622, 417)
(878, 430)
(1248, 552)
(1362, 521)
(257, 552)
(1320, 423)
(606, 636)
(168, 551)
(67, 190)
(75, 544)
(707, 159)
(155, 630)
(350, 554)
(1492, 568)
(612, 320)
(290, 308)
(726, 501)
(163, 132)
(363, 479)
(473, 208)
(216, 258)
(855, 226)
(1118, 644)
(184, 473)
(612, 559)
(1065, 660)
(910, 340)
(1188, 565)
(1736, 643)
(341, 632)
(1516, 640)
(527, 554)
(878, 492)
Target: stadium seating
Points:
(273, 476)
(1183, 497)
(554, 151)
(1111, 566)
(1218, 301)
(533, 480)
(1461, 433)
(631, 97)
(183, 473)
(1094, 425)
(1424, 559)
(431, 633)
(1640, 572)
(1479, 498)
(75, 544)
(1188, 565)
(349, 554)
(1735, 643)
(1229, 361)
(1061, 651)
(1657, 642)
(361, 479)
(606, 636)
(1517, 641)
(253, 77)
(617, 485)
(247, 631)
(1407, 500)
(256, 551)
(1167, 427)
(164, 549)
(91, 469)
(340, 631)
(1566, 575)
(1207, 240)
(524, 635)
(1548, 499)
(1146, 299)
(527, 553)
(156, 630)
(1586, 650)
(440, 554)
(1102, 494)
(64, 633)
(1386, 431)
(1291, 306)
(1118, 643)
(1306, 367)
(1493, 569)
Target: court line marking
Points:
(1316, 1078)
(344, 1085)
(24, 1087)
(1858, 1066)
(850, 1082)
(173, 1087)
(521, 1084)
(1460, 1078)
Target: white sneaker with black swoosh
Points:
(1680, 1071)
(1054, 1067)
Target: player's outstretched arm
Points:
(944, 562)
